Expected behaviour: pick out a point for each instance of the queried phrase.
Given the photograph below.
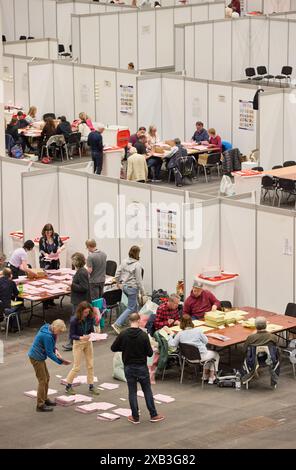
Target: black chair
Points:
(291, 312)
(172, 356)
(276, 167)
(61, 51)
(285, 74)
(74, 140)
(225, 304)
(49, 115)
(285, 186)
(23, 38)
(31, 37)
(258, 168)
(70, 48)
(213, 161)
(190, 355)
(289, 163)
(262, 72)
(111, 267)
(251, 74)
(113, 299)
(268, 186)
(3, 38)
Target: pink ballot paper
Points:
(33, 393)
(97, 336)
(109, 386)
(75, 383)
(107, 417)
(163, 398)
(123, 412)
(140, 393)
(94, 407)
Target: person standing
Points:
(44, 346)
(50, 247)
(18, 260)
(96, 266)
(129, 277)
(135, 347)
(82, 323)
(95, 142)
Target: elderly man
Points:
(137, 169)
(200, 301)
(167, 313)
(95, 141)
(201, 134)
(262, 337)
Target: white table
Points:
(222, 290)
(112, 162)
(248, 184)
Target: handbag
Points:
(17, 151)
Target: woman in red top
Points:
(235, 5)
(214, 140)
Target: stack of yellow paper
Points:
(250, 323)
(233, 317)
(215, 319)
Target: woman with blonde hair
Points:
(82, 323)
(152, 136)
(31, 116)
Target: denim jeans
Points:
(132, 306)
(13, 322)
(97, 158)
(139, 373)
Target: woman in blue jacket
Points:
(44, 346)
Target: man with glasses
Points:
(167, 313)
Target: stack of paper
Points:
(83, 379)
(198, 323)
(217, 336)
(215, 319)
(97, 336)
(86, 409)
(33, 393)
(140, 393)
(65, 400)
(75, 383)
(163, 398)
(123, 412)
(249, 323)
(109, 386)
(107, 417)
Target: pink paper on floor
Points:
(163, 398)
(83, 379)
(109, 386)
(75, 383)
(104, 405)
(140, 393)
(82, 398)
(65, 400)
(107, 417)
(33, 393)
(98, 336)
(123, 412)
(90, 408)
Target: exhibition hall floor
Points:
(210, 418)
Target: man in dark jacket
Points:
(8, 292)
(95, 142)
(64, 128)
(135, 347)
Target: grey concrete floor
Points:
(201, 419)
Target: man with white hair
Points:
(95, 142)
(137, 169)
(262, 337)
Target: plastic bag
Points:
(118, 369)
(226, 186)
(17, 151)
(148, 308)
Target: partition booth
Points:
(268, 6)
(144, 37)
(40, 48)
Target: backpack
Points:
(185, 166)
(17, 151)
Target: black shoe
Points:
(67, 347)
(44, 408)
(49, 402)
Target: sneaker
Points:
(156, 418)
(94, 391)
(67, 347)
(49, 402)
(70, 391)
(211, 380)
(116, 328)
(44, 408)
(131, 419)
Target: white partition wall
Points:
(63, 83)
(278, 46)
(84, 90)
(203, 59)
(240, 47)
(275, 262)
(149, 104)
(105, 96)
(173, 95)
(202, 244)
(271, 129)
(40, 48)
(21, 82)
(41, 91)
(222, 45)
(220, 110)
(196, 106)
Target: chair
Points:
(113, 299)
(268, 185)
(291, 352)
(190, 355)
(213, 161)
(261, 357)
(23, 38)
(289, 163)
(111, 267)
(48, 115)
(285, 186)
(251, 74)
(258, 168)
(291, 312)
(276, 167)
(173, 355)
(3, 38)
(285, 74)
(225, 304)
(74, 140)
(56, 143)
(61, 51)
(262, 72)
(6, 317)
(31, 37)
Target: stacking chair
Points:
(251, 74)
(111, 267)
(23, 38)
(175, 356)
(213, 161)
(291, 312)
(190, 355)
(113, 299)
(55, 143)
(74, 140)
(6, 317)
(258, 168)
(268, 186)
(262, 72)
(285, 186)
(225, 304)
(289, 163)
(61, 51)
(285, 74)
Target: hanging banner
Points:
(246, 115)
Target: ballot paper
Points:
(47, 282)
(123, 411)
(217, 336)
(97, 336)
(109, 386)
(107, 417)
(163, 398)
(33, 393)
(83, 379)
(140, 393)
(65, 400)
(89, 408)
(75, 382)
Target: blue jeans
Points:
(139, 373)
(13, 322)
(132, 306)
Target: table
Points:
(288, 173)
(30, 132)
(222, 289)
(245, 183)
(112, 157)
(192, 149)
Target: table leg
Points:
(31, 313)
(43, 312)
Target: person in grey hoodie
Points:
(129, 278)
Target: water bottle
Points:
(21, 288)
(237, 381)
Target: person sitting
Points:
(83, 117)
(9, 292)
(137, 169)
(152, 136)
(18, 260)
(235, 6)
(64, 128)
(167, 313)
(200, 301)
(194, 336)
(201, 134)
(48, 131)
(226, 146)
(12, 129)
(31, 116)
(130, 66)
(154, 163)
(214, 139)
(262, 337)
(21, 121)
(175, 160)
(135, 137)
(84, 130)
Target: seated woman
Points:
(31, 116)
(83, 117)
(152, 136)
(64, 128)
(194, 336)
(48, 131)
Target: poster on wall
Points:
(167, 230)
(246, 115)
(126, 99)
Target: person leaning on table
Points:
(44, 346)
(18, 260)
(200, 301)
